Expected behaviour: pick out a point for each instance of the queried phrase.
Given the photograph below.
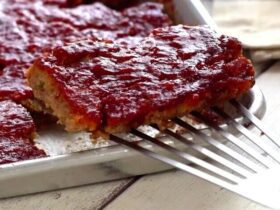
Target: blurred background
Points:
(255, 22)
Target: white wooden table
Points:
(174, 190)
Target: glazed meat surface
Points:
(30, 28)
(101, 86)
(117, 4)
(16, 131)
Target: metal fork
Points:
(249, 167)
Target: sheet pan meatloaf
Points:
(108, 87)
(30, 28)
(16, 132)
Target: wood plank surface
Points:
(91, 197)
(179, 191)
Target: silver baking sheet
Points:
(75, 160)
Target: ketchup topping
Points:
(16, 130)
(30, 28)
(109, 83)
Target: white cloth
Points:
(255, 22)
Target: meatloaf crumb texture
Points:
(109, 87)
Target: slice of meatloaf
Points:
(16, 132)
(99, 86)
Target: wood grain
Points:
(91, 197)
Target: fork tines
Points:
(229, 163)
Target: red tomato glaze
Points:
(30, 28)
(112, 84)
(16, 129)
